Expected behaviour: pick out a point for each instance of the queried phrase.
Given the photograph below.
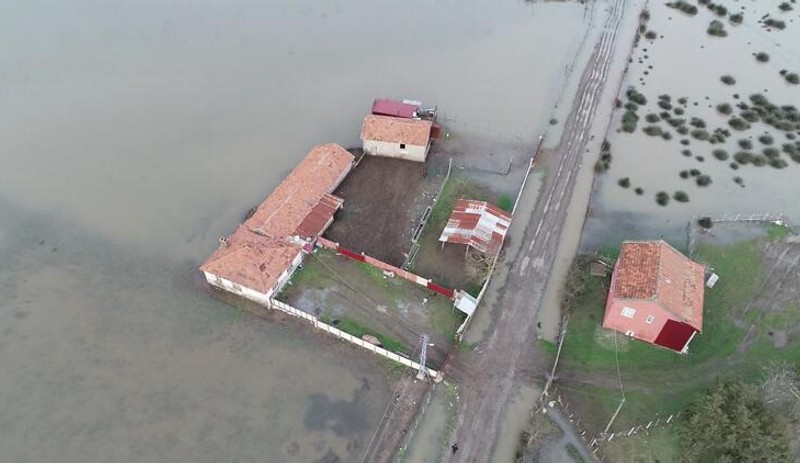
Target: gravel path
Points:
(491, 372)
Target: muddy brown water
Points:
(686, 62)
(133, 135)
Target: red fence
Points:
(447, 292)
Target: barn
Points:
(396, 137)
(257, 259)
(477, 224)
(656, 295)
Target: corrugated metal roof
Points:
(393, 108)
(262, 248)
(478, 224)
(655, 270)
(396, 130)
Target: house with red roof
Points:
(656, 295)
(258, 258)
(396, 137)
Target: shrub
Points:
(777, 163)
(694, 172)
(759, 160)
(652, 118)
(722, 155)
(678, 111)
(738, 180)
(720, 10)
(683, 130)
(727, 80)
(734, 166)
(631, 106)
(680, 196)
(639, 190)
(687, 8)
(652, 130)
(716, 29)
(686, 153)
(705, 222)
(602, 166)
(738, 124)
(759, 99)
(684, 174)
(636, 97)
(792, 78)
(789, 148)
(749, 116)
(785, 6)
(629, 121)
(697, 122)
(743, 157)
(771, 153)
(703, 180)
(651, 35)
(683, 100)
(624, 182)
(775, 23)
(745, 144)
(700, 134)
(700, 158)
(725, 108)
(766, 139)
(676, 121)
(736, 18)
(762, 57)
(666, 136)
(665, 105)
(662, 198)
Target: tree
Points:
(732, 423)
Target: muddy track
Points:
(506, 359)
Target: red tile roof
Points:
(478, 224)
(655, 270)
(396, 130)
(263, 247)
(394, 108)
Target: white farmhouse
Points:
(396, 137)
(260, 256)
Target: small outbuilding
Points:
(478, 224)
(396, 137)
(656, 295)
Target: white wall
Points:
(253, 295)
(381, 148)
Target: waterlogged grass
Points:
(352, 327)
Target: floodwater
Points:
(134, 134)
(686, 62)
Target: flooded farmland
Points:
(134, 135)
(683, 62)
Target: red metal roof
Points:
(654, 270)
(478, 224)
(394, 108)
(263, 247)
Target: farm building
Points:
(478, 224)
(404, 109)
(260, 256)
(396, 137)
(656, 295)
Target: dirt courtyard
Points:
(384, 200)
(359, 299)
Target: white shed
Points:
(396, 137)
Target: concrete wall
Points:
(381, 148)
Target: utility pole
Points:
(423, 355)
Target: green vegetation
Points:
(778, 232)
(680, 196)
(505, 202)
(700, 134)
(766, 139)
(354, 328)
(687, 153)
(624, 182)
(652, 118)
(639, 190)
(684, 174)
(728, 80)
(716, 29)
(738, 124)
(792, 78)
(775, 23)
(746, 144)
(743, 157)
(697, 123)
(604, 163)
(703, 180)
(685, 7)
(736, 18)
(762, 57)
(662, 198)
(651, 35)
(629, 121)
(573, 453)
(636, 97)
(732, 422)
(725, 108)
(678, 110)
(652, 130)
(705, 222)
(720, 154)
(786, 6)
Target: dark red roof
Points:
(394, 108)
(478, 224)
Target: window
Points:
(627, 312)
(650, 319)
(402, 146)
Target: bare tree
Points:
(781, 388)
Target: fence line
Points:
(401, 451)
(283, 307)
(415, 240)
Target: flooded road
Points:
(133, 135)
(684, 61)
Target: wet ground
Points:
(685, 62)
(134, 135)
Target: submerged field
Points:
(706, 123)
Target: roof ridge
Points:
(658, 273)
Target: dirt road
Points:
(490, 373)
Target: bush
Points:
(700, 158)
(624, 182)
(745, 144)
(676, 121)
(736, 18)
(789, 148)
(738, 124)
(683, 100)
(687, 8)
(680, 196)
(686, 153)
(665, 105)
(792, 78)
(777, 163)
(705, 222)
(785, 6)
(771, 153)
(662, 198)
(738, 180)
(697, 122)
(694, 172)
(762, 57)
(631, 106)
(652, 118)
(703, 180)
(652, 130)
(684, 174)
(678, 111)
(759, 160)
(766, 139)
(722, 155)
(759, 99)
(636, 97)
(629, 121)
(639, 190)
(727, 80)
(716, 29)
(683, 130)
(651, 35)
(725, 108)
(700, 134)
(666, 136)
(734, 166)
(743, 157)
(775, 23)
(749, 116)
